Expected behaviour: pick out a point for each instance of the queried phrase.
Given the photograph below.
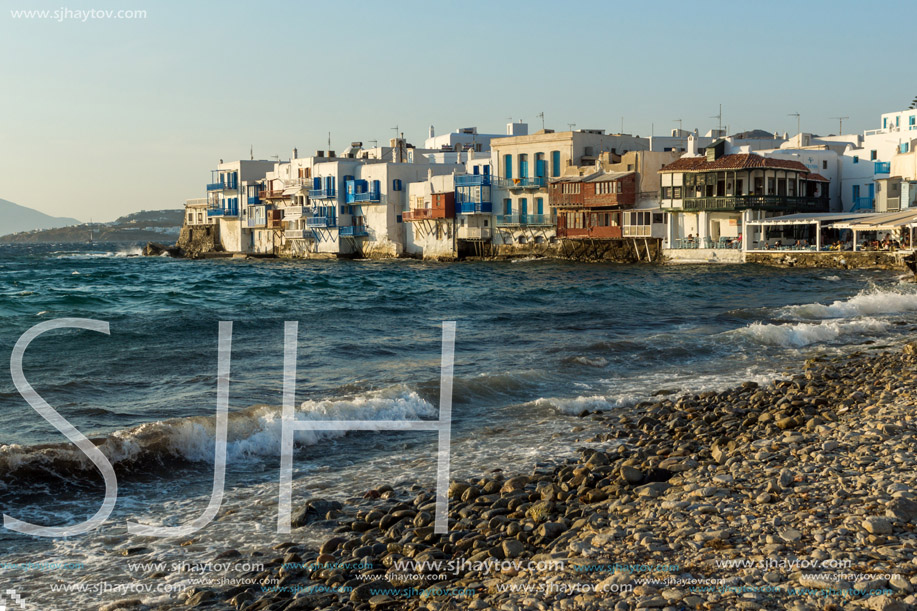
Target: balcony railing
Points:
(322, 193)
(475, 208)
(369, 196)
(521, 183)
(353, 231)
(862, 203)
(295, 212)
(253, 223)
(254, 201)
(472, 180)
(638, 231)
(215, 212)
(321, 221)
(272, 193)
(297, 234)
(216, 186)
(883, 167)
(473, 233)
(777, 202)
(511, 220)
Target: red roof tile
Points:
(817, 177)
(742, 161)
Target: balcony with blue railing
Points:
(862, 204)
(216, 186)
(321, 221)
(471, 207)
(214, 212)
(254, 200)
(353, 231)
(368, 196)
(519, 220)
(883, 167)
(472, 180)
(323, 193)
(536, 182)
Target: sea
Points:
(537, 343)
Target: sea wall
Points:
(832, 260)
(616, 251)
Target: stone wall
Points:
(197, 240)
(831, 260)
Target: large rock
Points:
(155, 249)
(312, 511)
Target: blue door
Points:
(523, 166)
(539, 205)
(523, 209)
(872, 193)
(507, 206)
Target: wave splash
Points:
(252, 433)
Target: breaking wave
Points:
(803, 334)
(576, 405)
(251, 433)
(871, 302)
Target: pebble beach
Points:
(798, 495)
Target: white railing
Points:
(638, 231)
(473, 233)
(196, 201)
(297, 234)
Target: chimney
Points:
(432, 133)
(295, 153)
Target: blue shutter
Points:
(377, 186)
(507, 166)
(316, 183)
(555, 163)
(539, 168)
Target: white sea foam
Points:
(252, 432)
(797, 335)
(575, 405)
(597, 361)
(832, 278)
(872, 302)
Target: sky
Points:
(101, 117)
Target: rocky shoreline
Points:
(798, 495)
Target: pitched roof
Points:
(739, 161)
(818, 177)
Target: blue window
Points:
(885, 123)
(377, 186)
(856, 159)
(911, 120)
(486, 170)
(540, 169)
(539, 205)
(897, 121)
(523, 166)
(555, 163)
(523, 206)
(904, 147)
(507, 206)
(398, 218)
(507, 166)
(317, 183)
(396, 184)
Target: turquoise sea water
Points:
(537, 342)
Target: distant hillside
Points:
(755, 134)
(15, 218)
(145, 226)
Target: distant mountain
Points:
(15, 218)
(145, 226)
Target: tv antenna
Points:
(679, 125)
(571, 126)
(541, 115)
(396, 130)
(840, 124)
(719, 119)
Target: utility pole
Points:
(840, 124)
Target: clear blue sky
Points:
(112, 116)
